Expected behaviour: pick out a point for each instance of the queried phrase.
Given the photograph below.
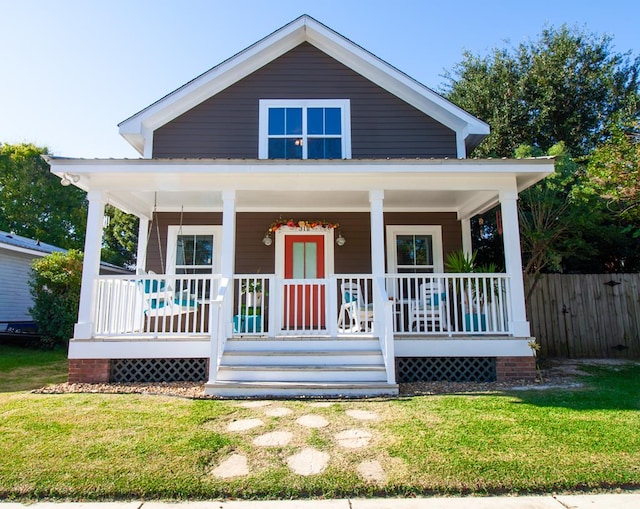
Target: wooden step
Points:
(234, 389)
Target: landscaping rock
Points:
(274, 439)
(244, 424)
(353, 438)
(308, 462)
(234, 466)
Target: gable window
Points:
(414, 249)
(305, 129)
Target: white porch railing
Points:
(152, 305)
(450, 304)
(266, 306)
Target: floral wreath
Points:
(301, 225)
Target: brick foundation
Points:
(515, 368)
(90, 371)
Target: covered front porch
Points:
(293, 289)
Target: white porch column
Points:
(376, 199)
(143, 233)
(227, 260)
(466, 236)
(91, 265)
(513, 262)
(228, 255)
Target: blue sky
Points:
(72, 70)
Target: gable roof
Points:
(138, 129)
(12, 242)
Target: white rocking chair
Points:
(427, 312)
(353, 309)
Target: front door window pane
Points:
(305, 260)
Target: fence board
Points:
(579, 315)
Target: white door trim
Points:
(282, 232)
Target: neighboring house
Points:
(17, 253)
(296, 205)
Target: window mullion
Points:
(304, 132)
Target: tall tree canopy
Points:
(34, 204)
(567, 94)
(563, 87)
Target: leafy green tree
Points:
(55, 288)
(614, 172)
(34, 204)
(562, 87)
(120, 238)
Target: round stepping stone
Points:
(353, 438)
(312, 421)
(363, 415)
(234, 466)
(278, 411)
(273, 439)
(308, 462)
(244, 424)
(254, 404)
(371, 471)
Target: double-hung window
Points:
(193, 249)
(414, 249)
(305, 129)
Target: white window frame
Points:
(263, 129)
(436, 236)
(172, 243)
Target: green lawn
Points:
(24, 369)
(99, 446)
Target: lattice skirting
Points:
(449, 369)
(159, 370)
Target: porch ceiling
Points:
(463, 186)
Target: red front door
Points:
(304, 302)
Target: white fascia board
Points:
(110, 349)
(462, 347)
(261, 53)
(22, 250)
(210, 83)
(394, 81)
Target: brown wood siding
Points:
(451, 227)
(226, 125)
(160, 224)
(252, 256)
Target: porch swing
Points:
(161, 298)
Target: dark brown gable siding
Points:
(226, 125)
(252, 256)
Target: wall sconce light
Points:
(267, 240)
(341, 241)
(68, 178)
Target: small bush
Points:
(55, 288)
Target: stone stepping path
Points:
(312, 421)
(234, 466)
(244, 424)
(279, 411)
(308, 462)
(354, 438)
(371, 471)
(274, 439)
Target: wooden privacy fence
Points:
(586, 315)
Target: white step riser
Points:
(302, 345)
(300, 359)
(301, 375)
(284, 392)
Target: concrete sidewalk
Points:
(607, 501)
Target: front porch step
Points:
(304, 357)
(235, 389)
(303, 373)
(299, 367)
